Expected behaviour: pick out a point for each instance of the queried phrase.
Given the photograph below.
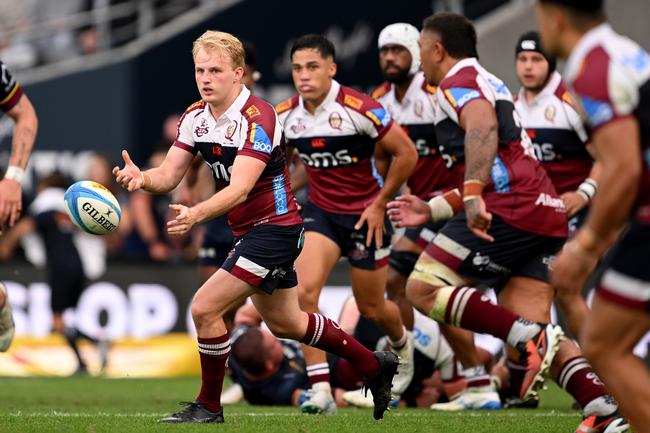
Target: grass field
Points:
(134, 405)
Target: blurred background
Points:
(106, 75)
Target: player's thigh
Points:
(314, 264)
(427, 277)
(612, 329)
(528, 297)
(220, 293)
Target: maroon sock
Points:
(517, 374)
(213, 353)
(318, 373)
(326, 334)
(346, 375)
(470, 309)
(578, 379)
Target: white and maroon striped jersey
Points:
(557, 133)
(416, 115)
(337, 144)
(518, 190)
(250, 128)
(610, 76)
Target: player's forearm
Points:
(401, 167)
(481, 145)
(23, 139)
(220, 203)
(160, 180)
(611, 208)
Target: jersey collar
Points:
(469, 61)
(331, 97)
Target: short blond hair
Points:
(223, 43)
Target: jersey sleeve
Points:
(373, 119)
(263, 133)
(184, 135)
(10, 90)
(604, 91)
(460, 89)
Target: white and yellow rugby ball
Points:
(92, 207)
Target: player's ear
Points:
(332, 69)
(239, 73)
(268, 366)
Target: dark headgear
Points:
(529, 41)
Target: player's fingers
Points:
(360, 223)
(379, 236)
(178, 208)
(126, 157)
(116, 170)
(14, 214)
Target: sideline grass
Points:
(134, 405)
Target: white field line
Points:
(58, 414)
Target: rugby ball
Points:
(92, 207)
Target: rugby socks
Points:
(326, 334)
(477, 378)
(517, 374)
(401, 342)
(317, 373)
(214, 354)
(469, 309)
(578, 379)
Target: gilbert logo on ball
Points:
(92, 207)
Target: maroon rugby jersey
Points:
(610, 77)
(518, 190)
(250, 128)
(10, 90)
(337, 145)
(416, 114)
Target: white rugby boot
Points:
(484, 397)
(405, 371)
(319, 400)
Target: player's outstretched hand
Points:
(408, 211)
(374, 217)
(478, 218)
(573, 202)
(129, 177)
(10, 201)
(184, 220)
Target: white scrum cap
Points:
(403, 34)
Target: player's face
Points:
(395, 62)
(550, 20)
(312, 74)
(532, 70)
(215, 75)
(273, 348)
(431, 55)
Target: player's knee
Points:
(308, 297)
(369, 310)
(203, 312)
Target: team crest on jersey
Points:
(253, 111)
(230, 131)
(317, 143)
(298, 127)
(260, 139)
(201, 129)
(379, 116)
(353, 102)
(459, 96)
(418, 108)
(549, 113)
(335, 120)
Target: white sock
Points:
(522, 330)
(603, 405)
(401, 342)
(322, 386)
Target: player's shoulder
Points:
(464, 77)
(198, 105)
(562, 93)
(287, 105)
(356, 100)
(381, 90)
(256, 109)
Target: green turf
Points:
(133, 405)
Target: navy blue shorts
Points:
(626, 279)
(217, 242)
(340, 229)
(513, 253)
(264, 256)
(422, 235)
